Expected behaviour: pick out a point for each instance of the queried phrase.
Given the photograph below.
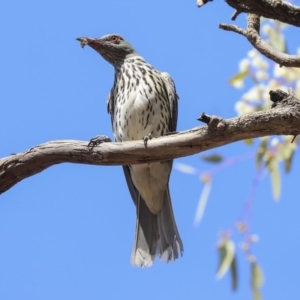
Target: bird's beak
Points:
(93, 43)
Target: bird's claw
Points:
(97, 140)
(146, 138)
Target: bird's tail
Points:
(146, 236)
(155, 234)
(169, 243)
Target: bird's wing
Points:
(173, 99)
(111, 104)
(110, 109)
(170, 243)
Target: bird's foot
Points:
(146, 138)
(97, 140)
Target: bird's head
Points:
(111, 47)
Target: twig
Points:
(252, 34)
(271, 9)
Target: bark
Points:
(271, 9)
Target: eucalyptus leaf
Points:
(248, 141)
(226, 255)
(257, 277)
(233, 273)
(286, 153)
(256, 294)
(257, 280)
(238, 78)
(273, 166)
(261, 151)
(288, 162)
(213, 158)
(277, 40)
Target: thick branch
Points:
(272, 9)
(252, 34)
(284, 119)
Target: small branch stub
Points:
(204, 118)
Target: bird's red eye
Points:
(114, 38)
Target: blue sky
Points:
(67, 232)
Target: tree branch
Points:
(252, 34)
(272, 9)
(283, 118)
(202, 2)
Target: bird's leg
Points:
(146, 138)
(97, 140)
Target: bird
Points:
(143, 103)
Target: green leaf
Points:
(226, 255)
(256, 294)
(257, 280)
(288, 162)
(238, 78)
(286, 153)
(261, 151)
(213, 158)
(233, 273)
(273, 167)
(248, 141)
(277, 40)
(257, 277)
